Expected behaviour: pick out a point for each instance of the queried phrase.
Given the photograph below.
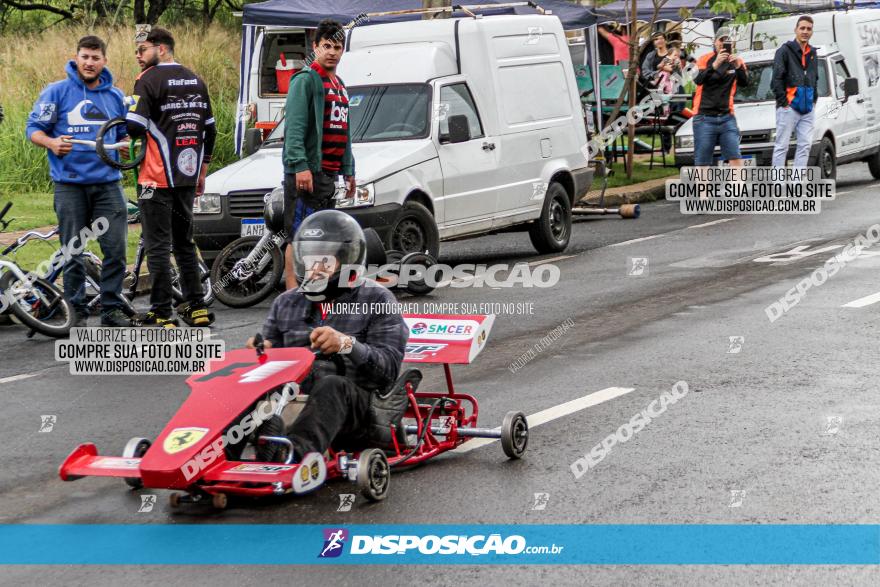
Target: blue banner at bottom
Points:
(245, 544)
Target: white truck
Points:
(847, 126)
(459, 127)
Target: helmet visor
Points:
(319, 260)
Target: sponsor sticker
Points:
(267, 469)
(417, 352)
(116, 463)
(433, 329)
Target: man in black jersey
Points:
(173, 109)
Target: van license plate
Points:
(252, 226)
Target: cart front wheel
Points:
(373, 474)
(514, 435)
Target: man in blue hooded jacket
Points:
(86, 188)
(795, 81)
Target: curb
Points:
(647, 191)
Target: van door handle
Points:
(488, 146)
(860, 100)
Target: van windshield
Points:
(760, 77)
(381, 113)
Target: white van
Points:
(847, 126)
(460, 127)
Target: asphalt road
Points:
(779, 426)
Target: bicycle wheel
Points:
(242, 287)
(40, 305)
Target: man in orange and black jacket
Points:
(795, 81)
(714, 122)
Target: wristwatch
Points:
(346, 343)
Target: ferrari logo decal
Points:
(182, 438)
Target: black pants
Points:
(336, 413)
(299, 204)
(167, 220)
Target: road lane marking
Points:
(18, 377)
(714, 222)
(550, 260)
(636, 240)
(862, 302)
(554, 413)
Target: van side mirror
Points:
(253, 138)
(459, 129)
(850, 87)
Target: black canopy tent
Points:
(308, 13)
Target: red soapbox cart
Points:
(192, 456)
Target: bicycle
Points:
(35, 301)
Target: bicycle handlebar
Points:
(38, 235)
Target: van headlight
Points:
(684, 142)
(364, 195)
(207, 204)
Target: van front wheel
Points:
(414, 231)
(827, 161)
(551, 232)
(874, 165)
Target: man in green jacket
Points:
(317, 147)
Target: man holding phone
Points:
(714, 122)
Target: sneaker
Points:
(116, 318)
(195, 314)
(80, 319)
(153, 319)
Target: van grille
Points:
(755, 137)
(246, 204)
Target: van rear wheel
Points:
(551, 232)
(414, 231)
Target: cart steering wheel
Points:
(336, 359)
(137, 148)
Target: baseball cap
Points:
(722, 32)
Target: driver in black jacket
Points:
(371, 339)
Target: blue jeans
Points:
(787, 121)
(76, 207)
(710, 131)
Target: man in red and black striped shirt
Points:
(317, 146)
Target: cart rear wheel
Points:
(135, 449)
(418, 287)
(373, 474)
(514, 434)
(219, 501)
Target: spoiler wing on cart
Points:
(446, 338)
